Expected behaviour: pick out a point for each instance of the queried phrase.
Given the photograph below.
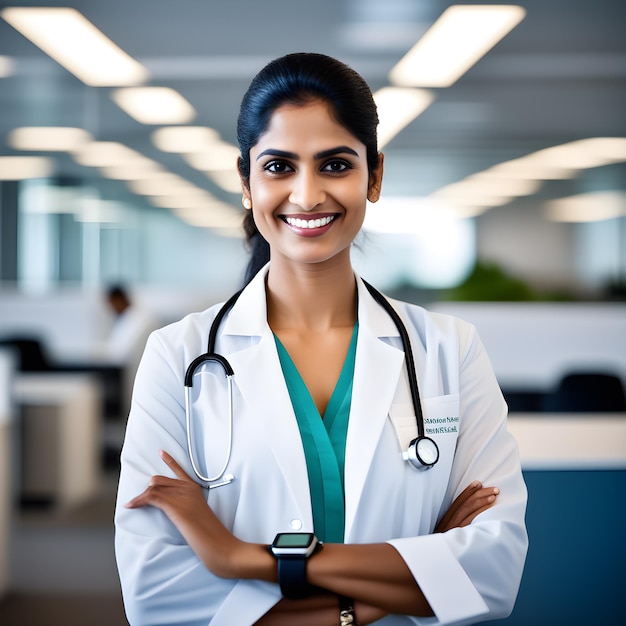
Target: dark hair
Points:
(117, 291)
(300, 78)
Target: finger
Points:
(150, 495)
(466, 494)
(174, 466)
(143, 499)
(136, 502)
(460, 500)
(481, 501)
(472, 501)
(470, 518)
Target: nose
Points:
(308, 190)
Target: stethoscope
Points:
(422, 452)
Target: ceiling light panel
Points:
(25, 167)
(582, 154)
(154, 105)
(587, 207)
(187, 202)
(398, 107)
(107, 154)
(142, 168)
(525, 169)
(6, 66)
(167, 184)
(219, 157)
(74, 42)
(48, 138)
(456, 41)
(227, 180)
(184, 139)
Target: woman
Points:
(322, 413)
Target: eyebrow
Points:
(324, 154)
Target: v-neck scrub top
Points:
(324, 441)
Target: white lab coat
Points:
(467, 574)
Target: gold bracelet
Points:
(347, 617)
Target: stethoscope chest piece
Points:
(422, 453)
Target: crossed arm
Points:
(375, 575)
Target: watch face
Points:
(427, 451)
(293, 540)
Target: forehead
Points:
(299, 126)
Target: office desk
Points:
(60, 432)
(570, 441)
(575, 470)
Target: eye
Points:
(336, 166)
(277, 167)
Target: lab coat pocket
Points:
(441, 416)
(425, 489)
(441, 423)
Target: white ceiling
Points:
(558, 76)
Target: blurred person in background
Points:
(116, 357)
(129, 330)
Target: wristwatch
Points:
(292, 550)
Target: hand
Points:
(473, 500)
(316, 610)
(183, 501)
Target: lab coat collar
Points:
(265, 391)
(249, 315)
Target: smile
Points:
(319, 222)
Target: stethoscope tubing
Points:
(408, 356)
(211, 480)
(221, 478)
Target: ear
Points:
(375, 182)
(245, 186)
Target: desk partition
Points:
(6, 465)
(60, 433)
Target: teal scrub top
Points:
(324, 441)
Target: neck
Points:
(311, 298)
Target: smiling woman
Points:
(341, 497)
(309, 180)
(289, 81)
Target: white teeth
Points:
(316, 223)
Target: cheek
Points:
(355, 197)
(265, 196)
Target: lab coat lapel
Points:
(249, 343)
(377, 371)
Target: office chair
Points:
(29, 353)
(587, 392)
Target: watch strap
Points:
(292, 577)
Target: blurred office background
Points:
(504, 203)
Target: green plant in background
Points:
(488, 282)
